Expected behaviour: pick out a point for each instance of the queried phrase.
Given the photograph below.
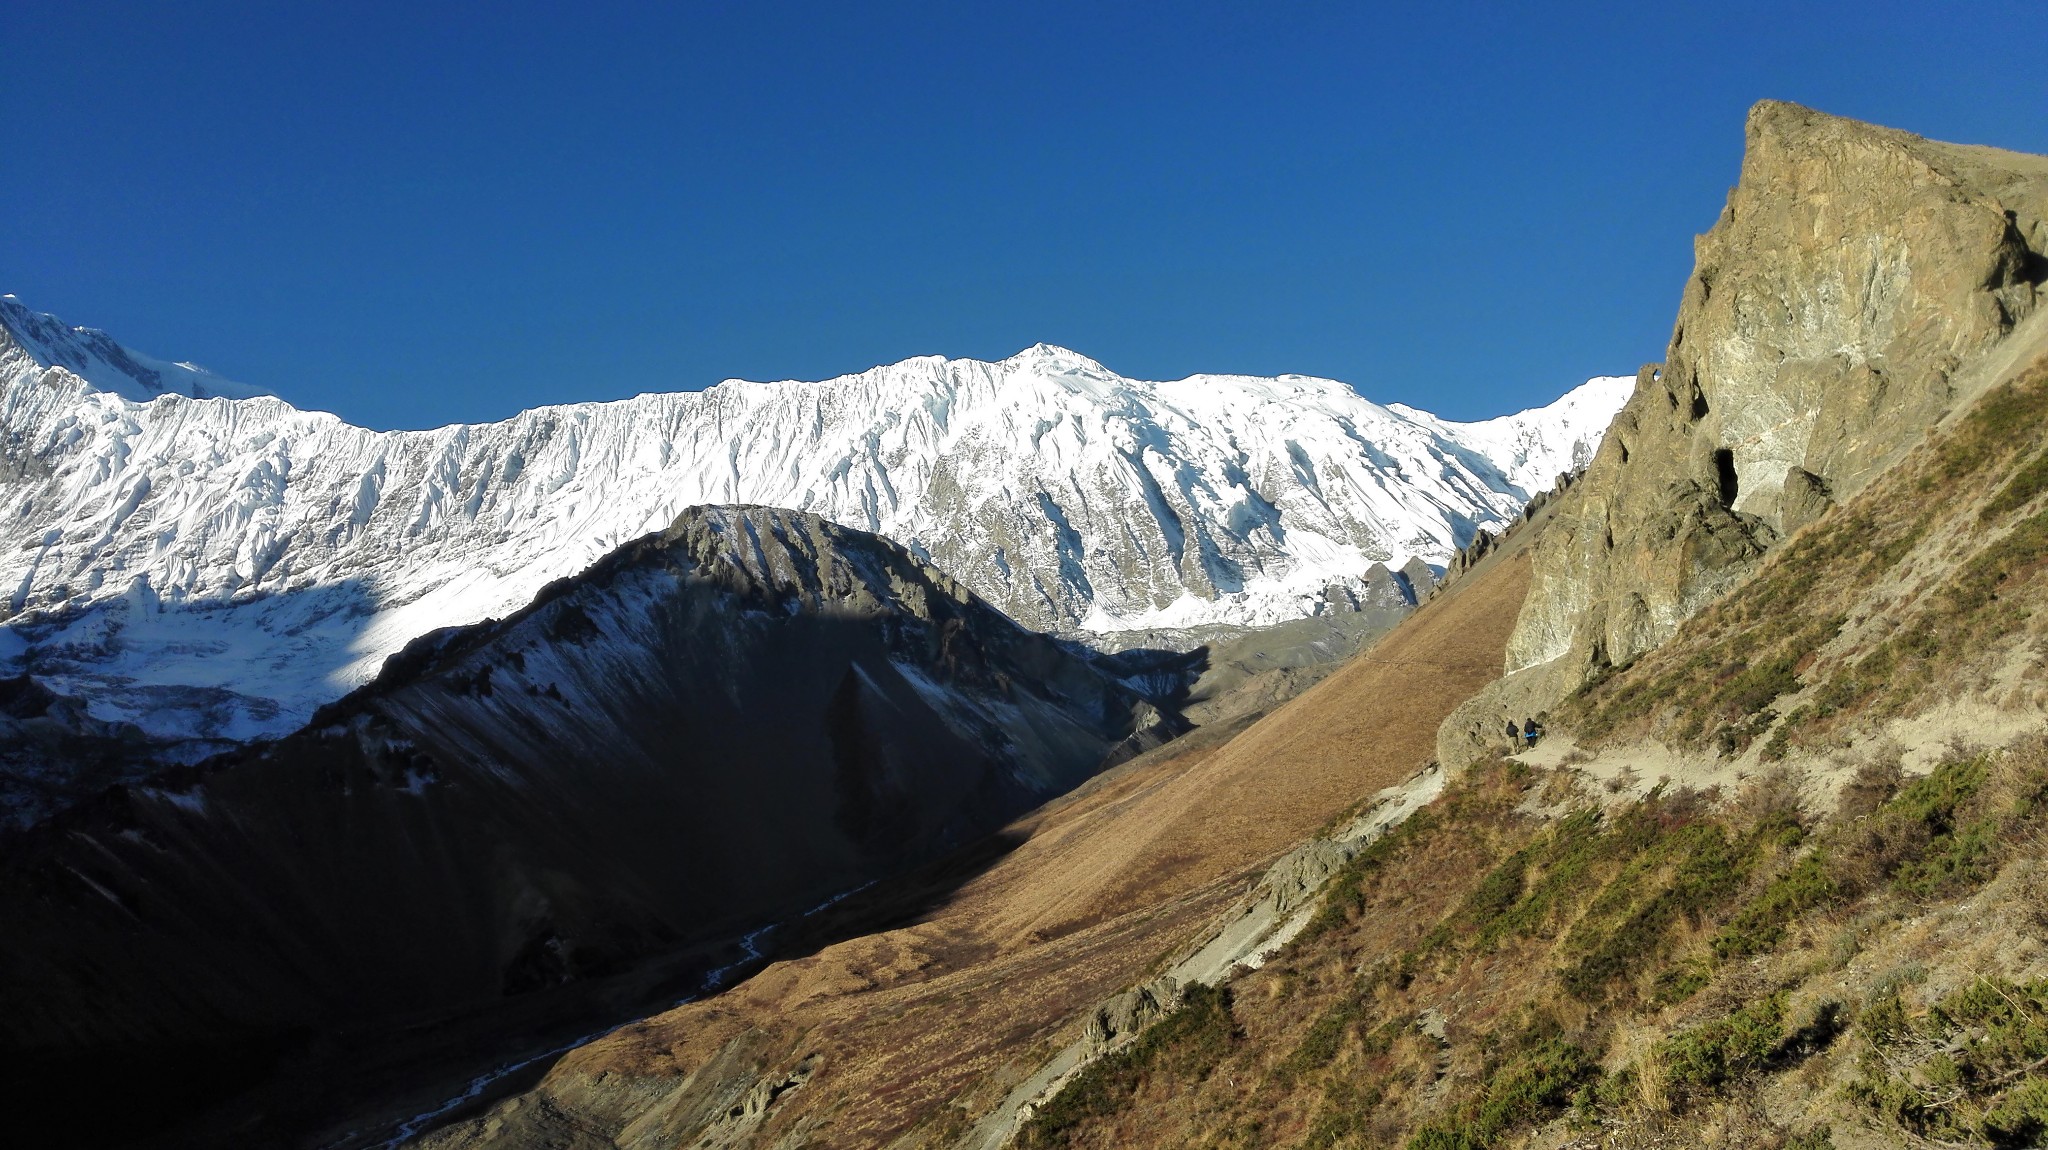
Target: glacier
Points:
(205, 560)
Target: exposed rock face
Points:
(715, 727)
(1420, 579)
(1834, 315)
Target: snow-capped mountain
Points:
(217, 567)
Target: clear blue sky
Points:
(416, 213)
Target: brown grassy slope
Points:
(954, 1006)
(1672, 972)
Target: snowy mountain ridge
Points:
(94, 356)
(217, 567)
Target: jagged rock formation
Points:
(712, 729)
(1485, 543)
(214, 568)
(1857, 287)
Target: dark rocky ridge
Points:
(52, 750)
(714, 727)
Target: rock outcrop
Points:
(1846, 300)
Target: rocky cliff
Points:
(1860, 284)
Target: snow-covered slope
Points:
(1536, 446)
(207, 566)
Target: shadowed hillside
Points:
(527, 827)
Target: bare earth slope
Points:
(878, 1038)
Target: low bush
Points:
(1970, 1065)
(1183, 1047)
(1714, 1052)
(1536, 1082)
(1760, 924)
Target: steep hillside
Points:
(1820, 929)
(530, 824)
(207, 568)
(1772, 879)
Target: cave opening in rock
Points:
(1724, 475)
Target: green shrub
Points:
(1184, 1046)
(2030, 480)
(1344, 897)
(1326, 1034)
(1537, 1082)
(2021, 1119)
(1704, 870)
(1760, 925)
(1563, 860)
(1818, 1138)
(1967, 1065)
(1959, 859)
(2004, 421)
(1344, 1109)
(1715, 1052)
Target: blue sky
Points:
(417, 213)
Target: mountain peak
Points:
(1052, 353)
(92, 355)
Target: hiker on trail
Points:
(1514, 734)
(1530, 730)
